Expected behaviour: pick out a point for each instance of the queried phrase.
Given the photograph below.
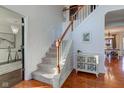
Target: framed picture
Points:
(7, 40)
(86, 37)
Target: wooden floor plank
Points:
(32, 84)
(113, 78)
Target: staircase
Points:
(57, 64)
(47, 69)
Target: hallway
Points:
(113, 78)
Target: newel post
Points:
(58, 55)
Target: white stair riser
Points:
(52, 50)
(41, 78)
(51, 54)
(47, 68)
(46, 65)
(49, 62)
(49, 59)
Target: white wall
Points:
(95, 25)
(43, 21)
(44, 18)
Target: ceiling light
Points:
(15, 29)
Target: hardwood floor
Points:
(10, 79)
(32, 84)
(113, 78)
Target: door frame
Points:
(25, 60)
(25, 39)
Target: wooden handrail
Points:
(71, 23)
(59, 41)
(65, 9)
(67, 29)
(76, 12)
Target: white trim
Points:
(25, 46)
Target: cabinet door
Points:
(81, 66)
(81, 59)
(91, 67)
(91, 60)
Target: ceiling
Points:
(114, 21)
(7, 16)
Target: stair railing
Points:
(82, 12)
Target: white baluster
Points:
(88, 9)
(84, 12)
(80, 17)
(81, 14)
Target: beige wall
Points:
(119, 42)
